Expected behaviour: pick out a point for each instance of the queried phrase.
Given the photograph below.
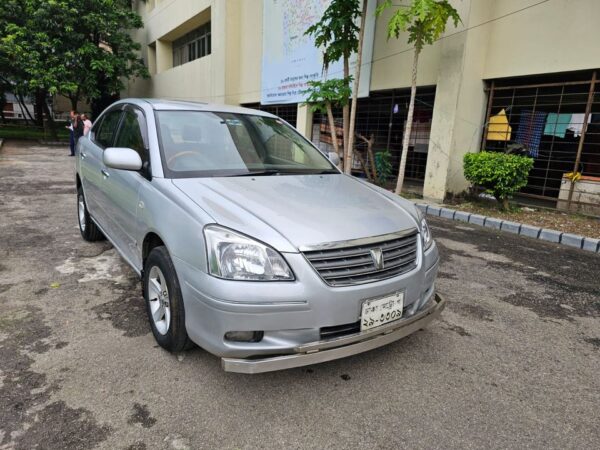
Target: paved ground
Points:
(515, 362)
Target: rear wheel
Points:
(89, 230)
(164, 302)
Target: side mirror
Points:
(334, 158)
(122, 158)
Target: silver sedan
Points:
(249, 241)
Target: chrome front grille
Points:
(357, 261)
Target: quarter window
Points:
(104, 136)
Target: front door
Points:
(120, 189)
(92, 167)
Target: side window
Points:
(130, 134)
(106, 131)
(95, 128)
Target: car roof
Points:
(159, 104)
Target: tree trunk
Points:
(408, 128)
(332, 129)
(74, 101)
(354, 105)
(346, 123)
(26, 112)
(505, 205)
(370, 142)
(40, 98)
(49, 127)
(372, 156)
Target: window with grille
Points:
(555, 119)
(288, 112)
(195, 44)
(381, 117)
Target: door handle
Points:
(105, 173)
(83, 155)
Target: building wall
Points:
(497, 38)
(203, 79)
(557, 36)
(245, 51)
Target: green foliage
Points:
(79, 48)
(3, 89)
(383, 166)
(334, 92)
(337, 31)
(12, 131)
(424, 20)
(500, 174)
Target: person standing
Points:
(87, 124)
(77, 130)
(71, 128)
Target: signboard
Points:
(290, 58)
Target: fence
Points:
(382, 118)
(556, 119)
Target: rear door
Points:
(120, 189)
(90, 154)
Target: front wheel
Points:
(164, 302)
(89, 230)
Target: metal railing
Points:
(558, 123)
(382, 118)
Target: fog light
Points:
(244, 336)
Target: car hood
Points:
(298, 209)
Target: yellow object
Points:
(573, 176)
(498, 127)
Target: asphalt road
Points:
(514, 362)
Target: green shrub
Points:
(500, 174)
(383, 166)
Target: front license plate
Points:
(379, 311)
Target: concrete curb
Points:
(557, 237)
(53, 143)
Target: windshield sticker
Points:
(232, 122)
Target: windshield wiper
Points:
(268, 172)
(261, 173)
(324, 172)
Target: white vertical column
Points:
(304, 120)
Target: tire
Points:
(164, 301)
(89, 230)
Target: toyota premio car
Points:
(248, 240)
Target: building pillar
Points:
(164, 55)
(221, 43)
(304, 121)
(460, 102)
(151, 59)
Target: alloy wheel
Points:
(158, 296)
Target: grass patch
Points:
(30, 132)
(545, 218)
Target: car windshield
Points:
(208, 144)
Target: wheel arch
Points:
(151, 241)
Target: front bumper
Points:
(291, 314)
(322, 351)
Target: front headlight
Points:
(425, 233)
(237, 257)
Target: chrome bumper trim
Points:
(322, 351)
